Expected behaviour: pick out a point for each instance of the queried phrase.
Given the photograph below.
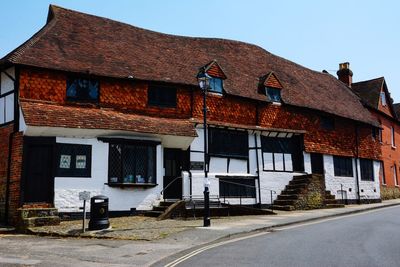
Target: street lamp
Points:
(204, 82)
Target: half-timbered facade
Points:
(97, 105)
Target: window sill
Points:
(121, 185)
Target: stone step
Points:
(40, 221)
(284, 202)
(305, 176)
(334, 206)
(296, 186)
(287, 197)
(299, 181)
(296, 191)
(37, 212)
(283, 207)
(149, 213)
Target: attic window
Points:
(383, 98)
(274, 94)
(216, 85)
(81, 89)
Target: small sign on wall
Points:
(85, 195)
(197, 165)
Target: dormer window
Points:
(82, 89)
(212, 76)
(216, 85)
(274, 94)
(383, 99)
(271, 87)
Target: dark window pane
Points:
(367, 170)
(114, 163)
(228, 143)
(274, 94)
(343, 166)
(237, 188)
(327, 123)
(82, 89)
(73, 160)
(162, 96)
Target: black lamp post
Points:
(204, 83)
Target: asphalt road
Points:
(365, 239)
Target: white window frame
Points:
(383, 99)
(396, 181)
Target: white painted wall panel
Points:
(2, 110)
(9, 100)
(7, 84)
(67, 189)
(237, 166)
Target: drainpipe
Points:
(258, 169)
(357, 155)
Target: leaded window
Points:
(343, 166)
(228, 143)
(132, 163)
(81, 89)
(73, 160)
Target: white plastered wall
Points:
(335, 184)
(66, 197)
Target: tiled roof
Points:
(51, 115)
(77, 42)
(396, 108)
(369, 91)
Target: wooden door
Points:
(173, 164)
(38, 173)
(317, 163)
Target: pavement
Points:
(148, 241)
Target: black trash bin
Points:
(99, 213)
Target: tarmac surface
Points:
(121, 249)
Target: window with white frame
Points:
(393, 137)
(396, 181)
(382, 172)
(6, 98)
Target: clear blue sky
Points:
(316, 34)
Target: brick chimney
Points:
(345, 74)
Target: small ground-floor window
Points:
(132, 163)
(367, 170)
(73, 160)
(234, 187)
(343, 166)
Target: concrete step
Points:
(166, 203)
(287, 197)
(283, 207)
(149, 213)
(37, 212)
(160, 208)
(300, 177)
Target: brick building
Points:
(376, 97)
(97, 105)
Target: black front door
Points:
(173, 164)
(317, 163)
(38, 172)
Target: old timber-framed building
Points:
(93, 104)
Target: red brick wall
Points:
(16, 174)
(47, 85)
(16, 170)
(390, 155)
(132, 97)
(5, 132)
